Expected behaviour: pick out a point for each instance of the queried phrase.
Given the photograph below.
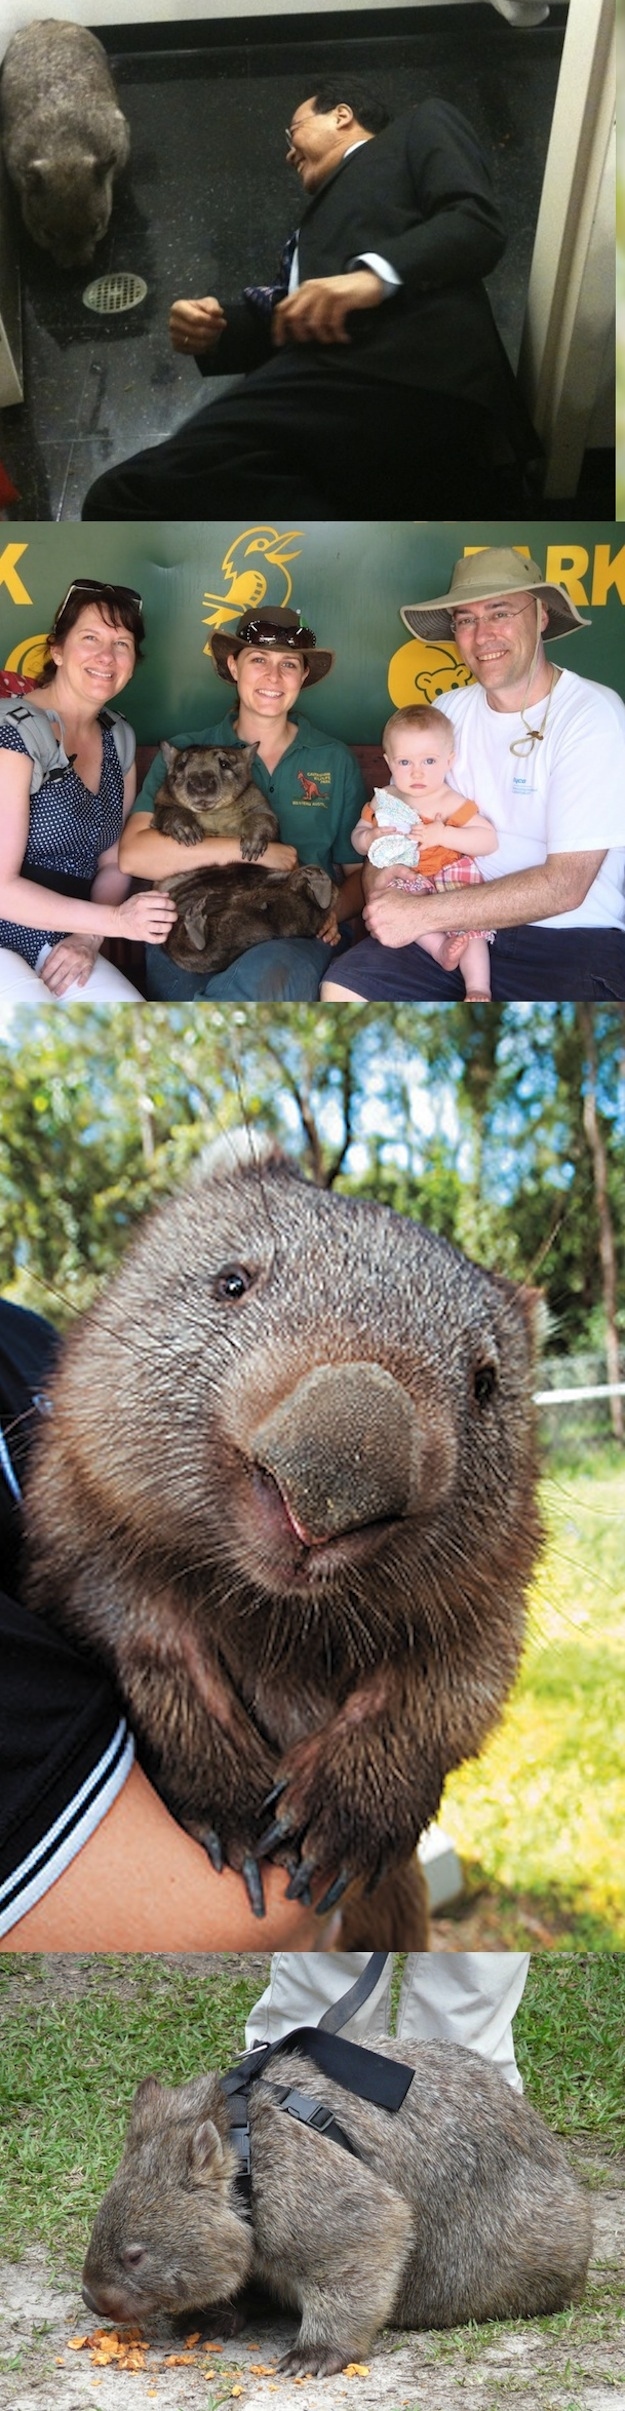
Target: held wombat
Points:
(287, 1493)
(65, 139)
(209, 792)
(462, 2206)
(224, 909)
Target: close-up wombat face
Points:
(312, 1379)
(204, 776)
(164, 2238)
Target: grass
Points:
(540, 1817)
(70, 2065)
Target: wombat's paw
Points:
(241, 1860)
(324, 1818)
(252, 847)
(180, 825)
(313, 2361)
(222, 2319)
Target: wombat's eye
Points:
(132, 2255)
(232, 1281)
(484, 1384)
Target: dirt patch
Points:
(574, 2362)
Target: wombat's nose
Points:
(341, 1449)
(90, 2299)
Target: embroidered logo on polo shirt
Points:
(310, 784)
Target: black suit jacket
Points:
(420, 195)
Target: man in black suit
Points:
(375, 383)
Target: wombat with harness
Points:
(407, 2186)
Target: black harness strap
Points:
(385, 2082)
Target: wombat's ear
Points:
(169, 752)
(206, 2153)
(531, 1304)
(143, 2106)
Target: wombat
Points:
(287, 1493)
(461, 2206)
(209, 792)
(223, 910)
(65, 139)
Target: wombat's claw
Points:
(335, 1892)
(275, 1833)
(253, 1881)
(275, 1794)
(212, 1845)
(299, 1887)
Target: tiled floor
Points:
(208, 199)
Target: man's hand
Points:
(396, 919)
(195, 326)
(316, 313)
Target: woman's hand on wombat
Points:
(150, 916)
(277, 857)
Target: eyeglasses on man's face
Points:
(497, 615)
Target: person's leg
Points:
(564, 966)
(105, 985)
(286, 970)
(305, 434)
(19, 985)
(474, 966)
(303, 1984)
(370, 973)
(467, 1997)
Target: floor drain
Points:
(108, 294)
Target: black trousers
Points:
(308, 435)
(528, 965)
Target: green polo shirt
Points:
(317, 789)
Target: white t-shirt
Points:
(565, 797)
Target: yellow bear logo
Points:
(419, 673)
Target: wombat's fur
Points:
(209, 792)
(461, 2207)
(223, 910)
(288, 1495)
(65, 139)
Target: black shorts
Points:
(528, 965)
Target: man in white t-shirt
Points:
(543, 753)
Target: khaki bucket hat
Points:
(481, 578)
(277, 630)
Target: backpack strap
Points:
(47, 752)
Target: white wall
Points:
(174, 12)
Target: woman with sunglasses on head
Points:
(66, 790)
(312, 782)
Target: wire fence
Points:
(574, 1400)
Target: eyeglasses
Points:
(464, 622)
(99, 588)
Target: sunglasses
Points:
(267, 632)
(98, 588)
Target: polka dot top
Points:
(69, 829)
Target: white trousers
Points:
(19, 985)
(467, 1997)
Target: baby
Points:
(419, 815)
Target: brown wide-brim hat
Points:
(482, 577)
(281, 631)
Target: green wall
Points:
(348, 577)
